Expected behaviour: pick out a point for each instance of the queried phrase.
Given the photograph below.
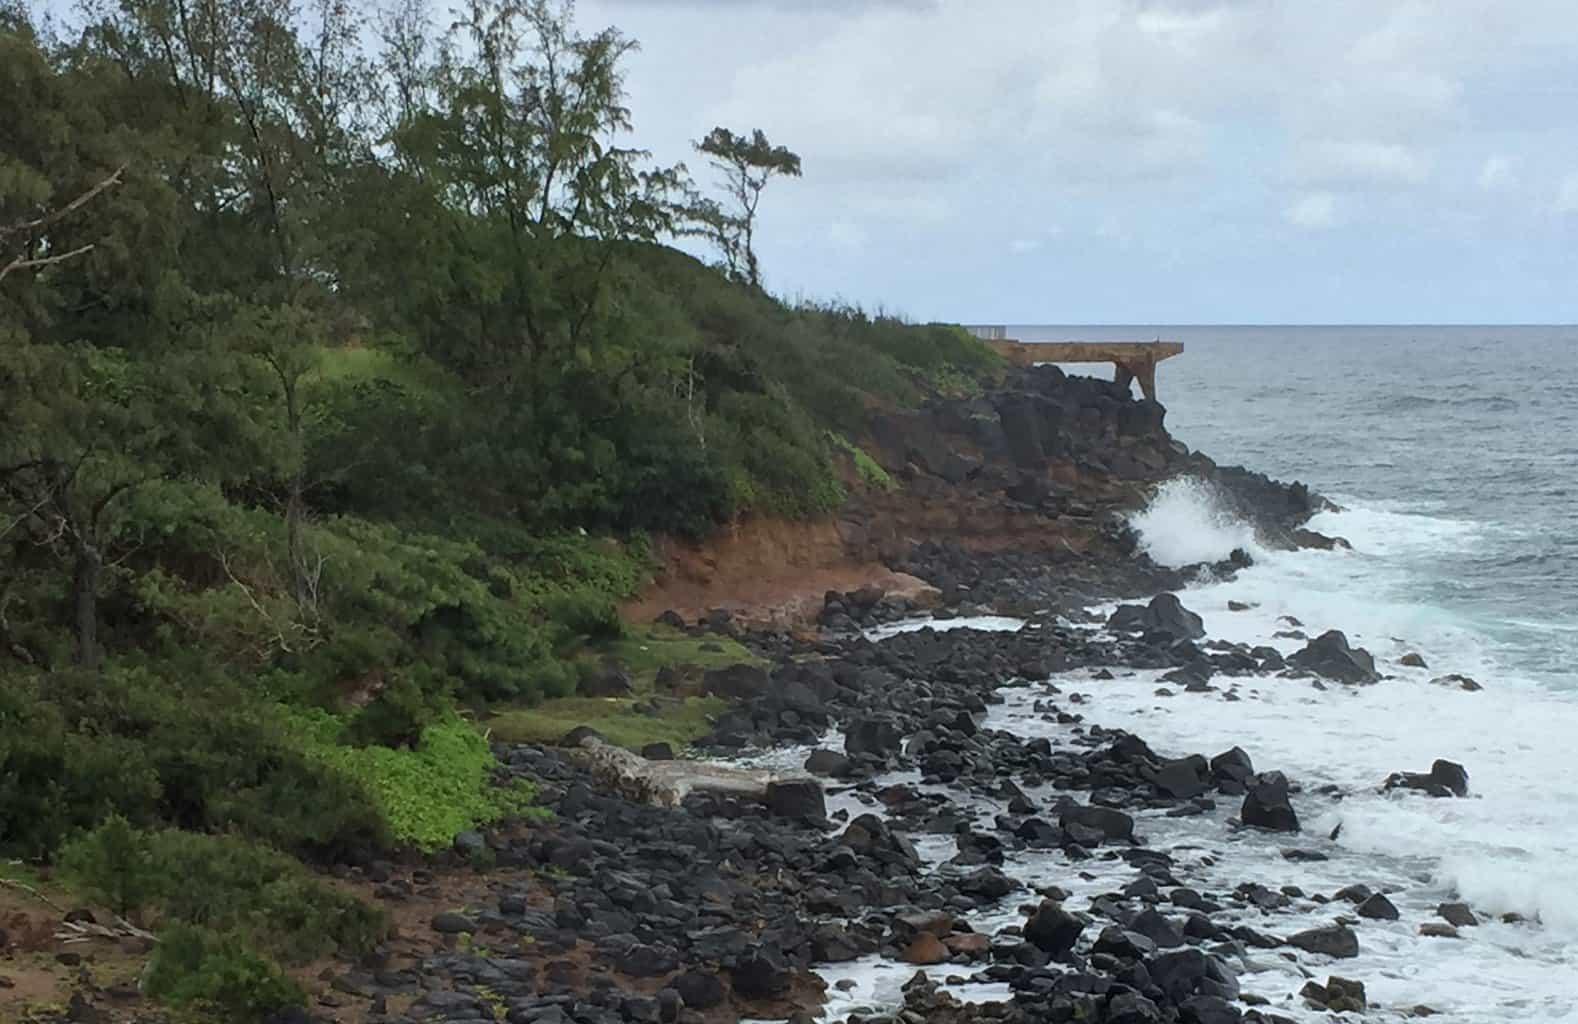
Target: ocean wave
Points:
(1187, 523)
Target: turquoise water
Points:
(1473, 430)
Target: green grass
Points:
(643, 653)
(679, 723)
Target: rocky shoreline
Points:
(724, 908)
(1009, 878)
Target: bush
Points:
(197, 967)
(428, 794)
(172, 745)
(223, 883)
(585, 611)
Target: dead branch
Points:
(42, 261)
(45, 220)
(29, 890)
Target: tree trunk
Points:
(85, 601)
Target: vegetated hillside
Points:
(337, 397)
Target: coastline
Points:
(929, 818)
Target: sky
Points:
(1140, 161)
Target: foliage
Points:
(225, 883)
(428, 794)
(217, 973)
(172, 745)
(747, 163)
(679, 723)
(871, 474)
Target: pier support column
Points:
(1143, 370)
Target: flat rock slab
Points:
(667, 783)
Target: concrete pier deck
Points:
(1131, 360)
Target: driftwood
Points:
(667, 783)
(80, 931)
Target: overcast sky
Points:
(1142, 161)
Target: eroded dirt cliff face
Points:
(1044, 468)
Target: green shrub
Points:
(167, 745)
(197, 967)
(223, 883)
(115, 864)
(427, 794)
(585, 611)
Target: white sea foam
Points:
(1511, 848)
(1185, 523)
(985, 623)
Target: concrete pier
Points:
(1131, 360)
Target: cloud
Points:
(1315, 211)
(1023, 246)
(1498, 174)
(1360, 164)
(1207, 129)
(1567, 195)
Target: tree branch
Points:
(47, 219)
(43, 261)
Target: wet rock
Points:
(1457, 682)
(1184, 973)
(1132, 1008)
(829, 762)
(1330, 656)
(1183, 779)
(796, 798)
(1437, 930)
(1106, 822)
(1165, 614)
(1208, 1010)
(1378, 908)
(1338, 995)
(925, 949)
(1158, 928)
(658, 752)
(1267, 805)
(878, 737)
(1413, 660)
(1052, 929)
(1336, 940)
(1458, 915)
(1446, 778)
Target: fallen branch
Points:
(24, 887)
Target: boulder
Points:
(1165, 614)
(1378, 908)
(701, 990)
(1457, 682)
(736, 682)
(658, 752)
(1338, 995)
(1183, 779)
(828, 762)
(763, 973)
(607, 680)
(1052, 929)
(924, 950)
(1109, 823)
(1458, 915)
(1330, 656)
(1335, 940)
(1413, 660)
(878, 737)
(796, 798)
(1446, 778)
(1267, 806)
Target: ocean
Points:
(1453, 452)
